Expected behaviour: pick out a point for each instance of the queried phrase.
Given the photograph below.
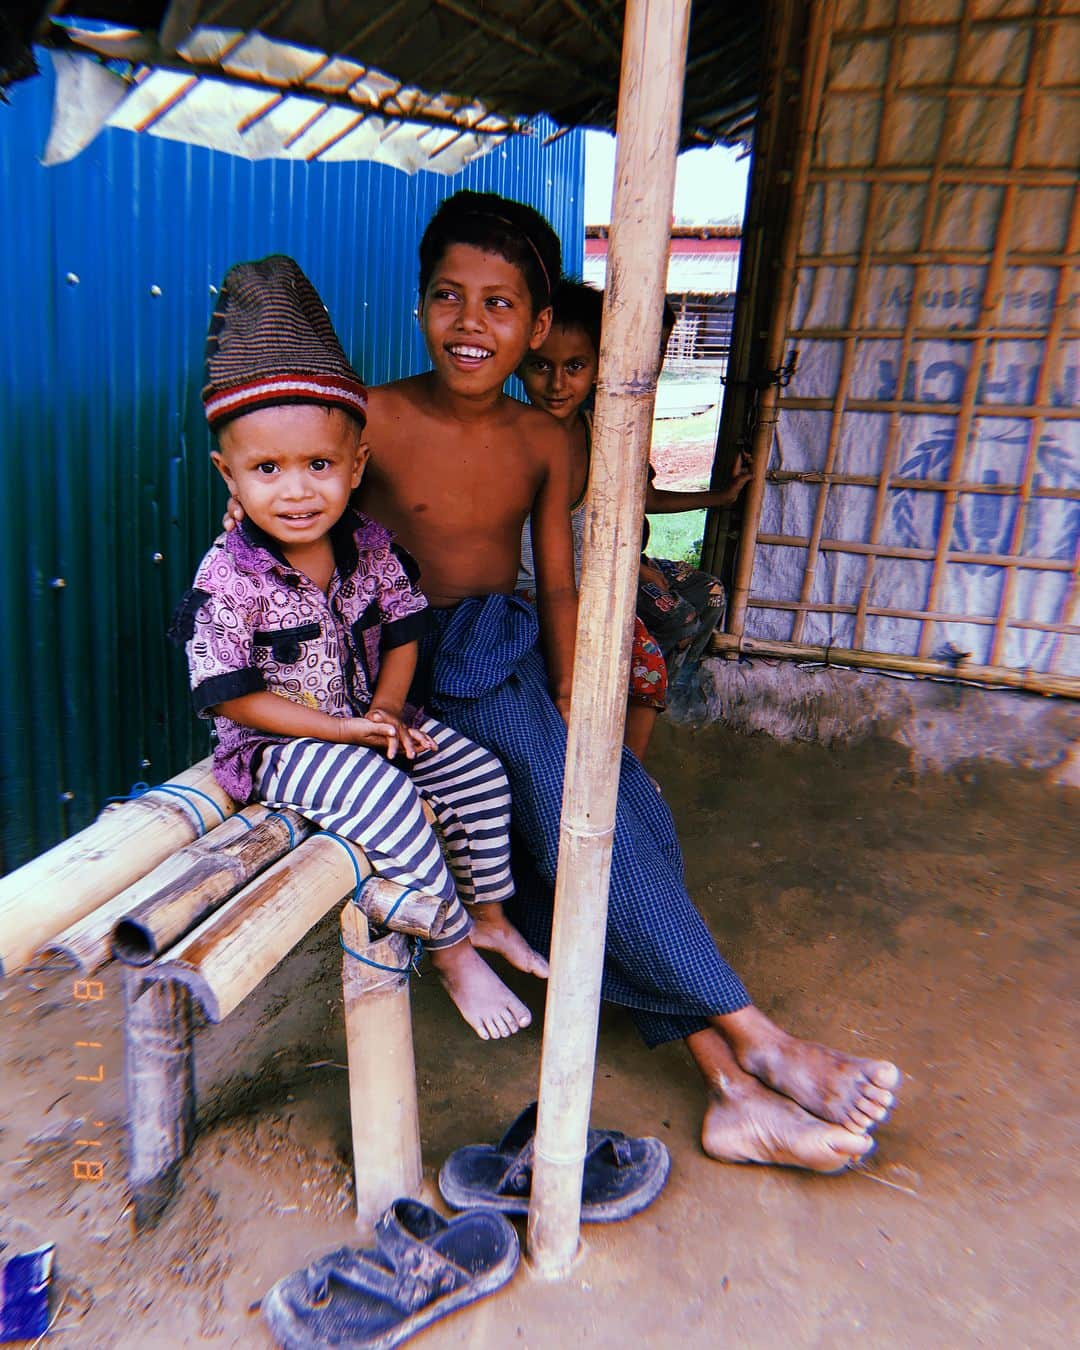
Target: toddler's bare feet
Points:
(856, 1093)
(493, 932)
(746, 1122)
(479, 995)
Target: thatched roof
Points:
(474, 66)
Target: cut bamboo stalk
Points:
(816, 67)
(1032, 681)
(1052, 413)
(1056, 494)
(126, 841)
(187, 888)
(384, 1115)
(87, 944)
(893, 612)
(921, 554)
(230, 954)
(159, 1082)
(650, 101)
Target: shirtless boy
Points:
(456, 467)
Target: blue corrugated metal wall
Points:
(108, 498)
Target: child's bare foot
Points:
(746, 1122)
(493, 932)
(855, 1093)
(479, 995)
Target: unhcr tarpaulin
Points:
(922, 496)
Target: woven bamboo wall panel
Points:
(923, 492)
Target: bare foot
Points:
(478, 994)
(745, 1122)
(493, 932)
(856, 1093)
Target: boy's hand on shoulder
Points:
(234, 514)
(650, 575)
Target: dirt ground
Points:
(927, 919)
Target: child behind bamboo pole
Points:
(678, 605)
(301, 633)
(560, 377)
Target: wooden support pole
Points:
(230, 954)
(383, 1108)
(1031, 681)
(159, 1083)
(127, 840)
(650, 105)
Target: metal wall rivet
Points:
(72, 279)
(157, 557)
(144, 763)
(57, 583)
(68, 796)
(155, 290)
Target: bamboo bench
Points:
(198, 900)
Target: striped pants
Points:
(355, 791)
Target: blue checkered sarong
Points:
(481, 670)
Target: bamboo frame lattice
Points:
(973, 94)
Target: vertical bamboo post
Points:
(383, 1109)
(649, 115)
(159, 1080)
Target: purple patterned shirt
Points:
(253, 622)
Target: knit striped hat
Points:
(271, 342)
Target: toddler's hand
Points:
(234, 514)
(372, 732)
(409, 738)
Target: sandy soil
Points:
(927, 919)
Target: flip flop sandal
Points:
(622, 1175)
(422, 1268)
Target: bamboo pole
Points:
(650, 103)
(1031, 681)
(817, 46)
(230, 954)
(188, 887)
(894, 612)
(71, 880)
(383, 1110)
(159, 1084)
(921, 554)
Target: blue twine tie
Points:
(176, 790)
(417, 946)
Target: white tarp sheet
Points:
(924, 174)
